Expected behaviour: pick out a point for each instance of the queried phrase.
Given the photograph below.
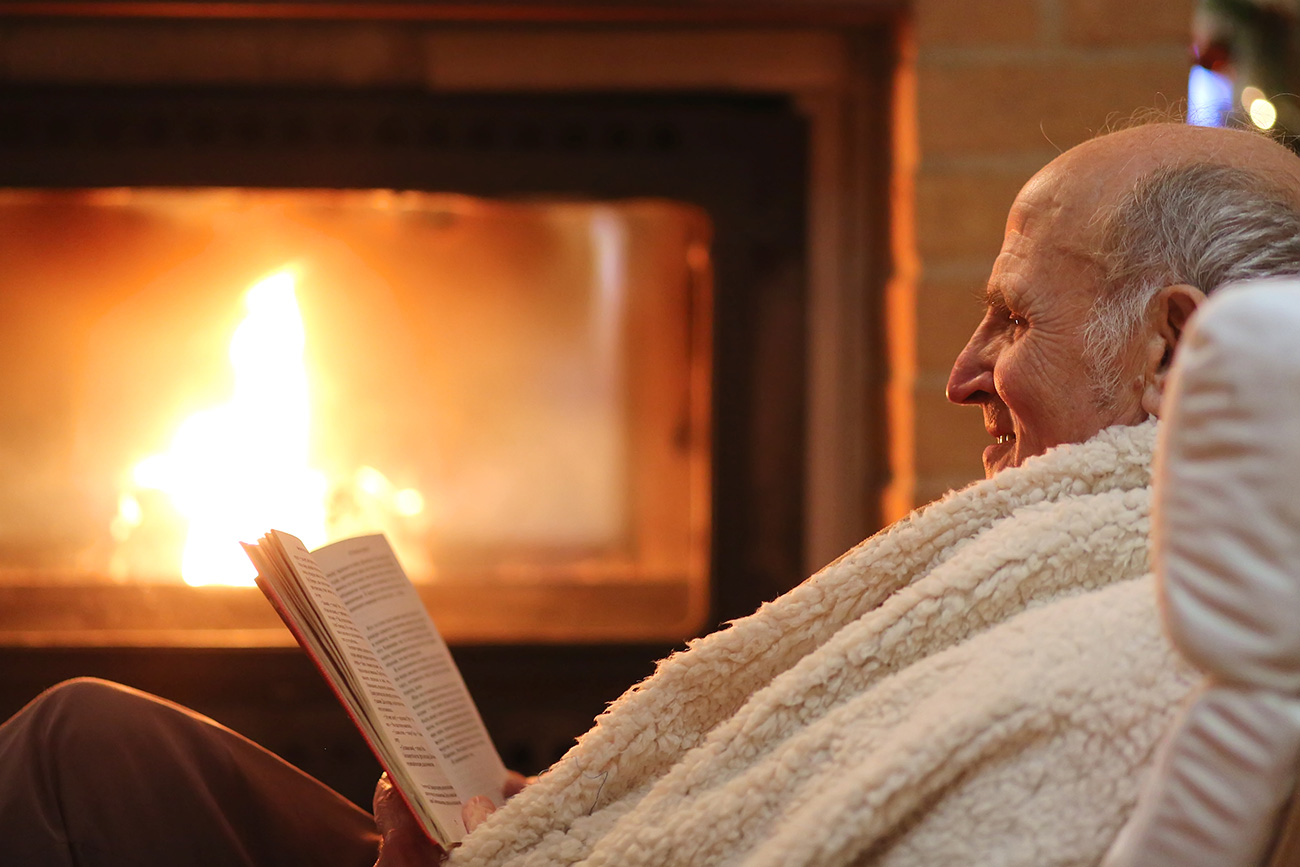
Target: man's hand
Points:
(403, 842)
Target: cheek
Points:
(1048, 401)
(1029, 405)
(1019, 377)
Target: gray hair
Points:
(1202, 224)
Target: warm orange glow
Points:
(236, 470)
(515, 394)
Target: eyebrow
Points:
(993, 297)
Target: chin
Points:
(1000, 456)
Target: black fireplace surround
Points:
(741, 158)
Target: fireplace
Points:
(752, 154)
(515, 392)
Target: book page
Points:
(340, 647)
(389, 613)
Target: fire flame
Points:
(236, 470)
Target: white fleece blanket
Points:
(981, 683)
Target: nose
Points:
(971, 379)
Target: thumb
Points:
(476, 811)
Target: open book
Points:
(359, 618)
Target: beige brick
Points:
(949, 439)
(982, 23)
(1126, 22)
(979, 108)
(946, 314)
(961, 214)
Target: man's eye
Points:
(1015, 320)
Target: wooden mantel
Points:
(786, 13)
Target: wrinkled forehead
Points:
(1053, 222)
(1073, 193)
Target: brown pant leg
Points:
(98, 775)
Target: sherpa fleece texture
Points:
(979, 684)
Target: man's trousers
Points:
(94, 774)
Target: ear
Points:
(1168, 313)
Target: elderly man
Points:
(983, 681)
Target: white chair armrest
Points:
(1226, 545)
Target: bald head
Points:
(1098, 171)
(1081, 188)
(1181, 205)
(1108, 251)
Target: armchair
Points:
(1226, 548)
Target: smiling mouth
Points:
(1004, 438)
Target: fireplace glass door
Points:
(515, 392)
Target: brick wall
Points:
(991, 91)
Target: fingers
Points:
(403, 842)
(401, 831)
(383, 792)
(515, 783)
(476, 810)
